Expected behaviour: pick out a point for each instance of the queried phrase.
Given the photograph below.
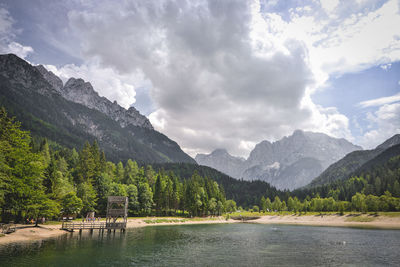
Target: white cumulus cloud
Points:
(384, 123)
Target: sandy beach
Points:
(365, 221)
(29, 233)
(26, 233)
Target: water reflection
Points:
(212, 245)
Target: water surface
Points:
(213, 245)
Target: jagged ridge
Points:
(79, 91)
(289, 163)
(45, 112)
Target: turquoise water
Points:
(213, 245)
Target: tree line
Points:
(375, 188)
(375, 182)
(42, 179)
(359, 202)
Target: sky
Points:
(225, 74)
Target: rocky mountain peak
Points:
(79, 91)
(297, 133)
(222, 160)
(78, 84)
(288, 163)
(18, 71)
(220, 152)
(50, 77)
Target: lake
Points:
(213, 245)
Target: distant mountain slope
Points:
(289, 163)
(220, 159)
(343, 168)
(378, 161)
(375, 176)
(42, 109)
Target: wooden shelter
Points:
(117, 207)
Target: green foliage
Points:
(360, 219)
(230, 206)
(21, 173)
(86, 192)
(71, 204)
(153, 221)
(37, 180)
(145, 198)
(375, 177)
(41, 178)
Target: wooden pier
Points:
(117, 207)
(71, 226)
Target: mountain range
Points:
(289, 163)
(73, 113)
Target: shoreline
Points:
(30, 233)
(334, 220)
(26, 233)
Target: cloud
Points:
(386, 66)
(354, 37)
(329, 5)
(384, 123)
(8, 34)
(220, 75)
(224, 73)
(380, 101)
(19, 50)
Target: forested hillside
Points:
(344, 168)
(245, 193)
(375, 177)
(36, 180)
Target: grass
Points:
(164, 220)
(389, 214)
(360, 219)
(1, 235)
(198, 219)
(355, 216)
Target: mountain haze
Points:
(221, 160)
(74, 113)
(289, 163)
